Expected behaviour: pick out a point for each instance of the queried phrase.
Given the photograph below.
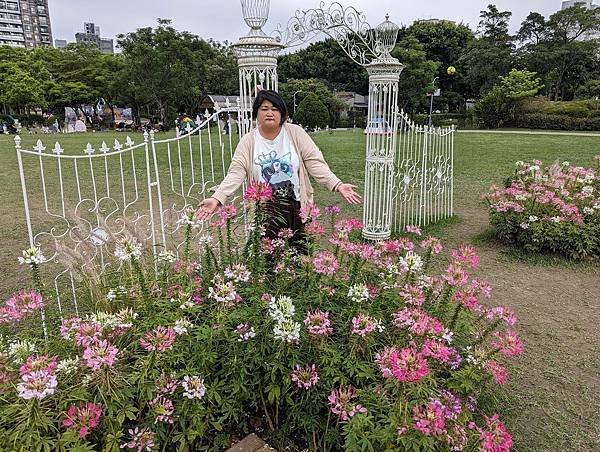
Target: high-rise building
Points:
(585, 3)
(91, 35)
(25, 23)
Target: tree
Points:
(325, 60)
(167, 70)
(534, 30)
(589, 90)
(504, 103)
(493, 26)
(444, 43)
(306, 87)
(489, 56)
(415, 80)
(19, 89)
(312, 113)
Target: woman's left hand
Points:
(348, 193)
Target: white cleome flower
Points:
(411, 262)
(194, 387)
(182, 326)
(533, 218)
(287, 331)
(32, 256)
(237, 273)
(282, 308)
(167, 256)
(358, 293)
(68, 366)
(126, 249)
(20, 350)
(524, 225)
(588, 211)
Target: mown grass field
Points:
(551, 401)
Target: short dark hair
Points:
(274, 98)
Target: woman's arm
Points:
(318, 168)
(236, 173)
(314, 162)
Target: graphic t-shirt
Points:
(276, 163)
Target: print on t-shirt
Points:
(278, 172)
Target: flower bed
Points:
(549, 209)
(352, 347)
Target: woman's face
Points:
(268, 115)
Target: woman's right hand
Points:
(206, 208)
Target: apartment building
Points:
(25, 23)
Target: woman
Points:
(282, 155)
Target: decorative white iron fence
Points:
(78, 204)
(424, 166)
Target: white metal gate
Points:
(424, 174)
(78, 203)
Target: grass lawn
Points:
(550, 404)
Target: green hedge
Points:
(557, 122)
(444, 119)
(573, 109)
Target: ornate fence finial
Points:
(18, 141)
(57, 149)
(386, 34)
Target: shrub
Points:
(554, 209)
(504, 104)
(312, 113)
(444, 119)
(352, 347)
(557, 122)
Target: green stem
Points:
(188, 242)
(141, 280)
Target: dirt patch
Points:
(551, 401)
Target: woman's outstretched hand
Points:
(348, 193)
(206, 208)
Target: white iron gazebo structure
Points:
(257, 59)
(367, 47)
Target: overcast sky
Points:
(222, 19)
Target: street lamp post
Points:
(294, 97)
(431, 104)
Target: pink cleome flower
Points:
(310, 212)
(160, 339)
(162, 409)
(495, 438)
(305, 377)
(19, 305)
(508, 343)
(332, 209)
(497, 371)
(363, 324)
(340, 403)
(141, 440)
(318, 323)
(100, 354)
(408, 365)
(39, 363)
(430, 420)
(84, 417)
(37, 385)
(417, 321)
(325, 263)
(383, 361)
(258, 192)
(466, 254)
(88, 333)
